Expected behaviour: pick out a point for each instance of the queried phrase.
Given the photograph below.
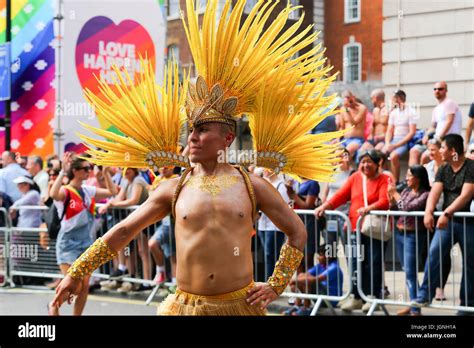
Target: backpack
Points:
(52, 219)
(417, 138)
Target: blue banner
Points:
(5, 78)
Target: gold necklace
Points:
(213, 184)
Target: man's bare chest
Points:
(226, 199)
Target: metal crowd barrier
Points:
(450, 278)
(138, 262)
(31, 255)
(39, 259)
(4, 247)
(31, 259)
(339, 244)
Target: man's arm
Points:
(433, 198)
(432, 129)
(463, 199)
(271, 203)
(447, 127)
(154, 209)
(287, 221)
(389, 134)
(360, 115)
(469, 129)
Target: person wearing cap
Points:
(10, 171)
(352, 190)
(30, 195)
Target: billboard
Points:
(97, 35)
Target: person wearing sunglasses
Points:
(446, 119)
(78, 201)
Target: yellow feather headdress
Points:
(234, 58)
(151, 126)
(245, 67)
(252, 69)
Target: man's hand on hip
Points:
(261, 293)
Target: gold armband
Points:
(289, 260)
(95, 256)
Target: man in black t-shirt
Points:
(455, 179)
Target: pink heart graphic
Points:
(101, 43)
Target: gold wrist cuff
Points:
(95, 256)
(289, 260)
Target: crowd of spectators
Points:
(439, 178)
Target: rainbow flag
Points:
(33, 93)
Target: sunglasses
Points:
(438, 89)
(87, 169)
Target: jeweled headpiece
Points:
(244, 66)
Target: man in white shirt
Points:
(40, 177)
(446, 119)
(401, 129)
(11, 170)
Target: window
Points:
(249, 6)
(173, 53)
(352, 62)
(295, 15)
(173, 8)
(351, 11)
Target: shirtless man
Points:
(214, 214)
(379, 129)
(353, 114)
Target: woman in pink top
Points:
(377, 185)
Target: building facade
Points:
(353, 39)
(425, 44)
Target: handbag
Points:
(373, 226)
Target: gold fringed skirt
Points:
(232, 303)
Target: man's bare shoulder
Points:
(261, 187)
(165, 190)
(362, 108)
